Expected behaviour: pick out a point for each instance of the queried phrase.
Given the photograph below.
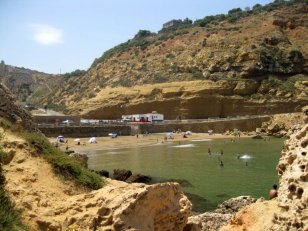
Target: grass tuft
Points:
(64, 165)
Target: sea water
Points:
(248, 167)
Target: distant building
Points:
(176, 22)
(172, 23)
(149, 117)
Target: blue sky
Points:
(54, 35)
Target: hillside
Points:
(28, 86)
(254, 63)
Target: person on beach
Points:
(273, 192)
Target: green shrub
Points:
(64, 165)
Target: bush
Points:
(64, 165)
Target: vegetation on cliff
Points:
(64, 165)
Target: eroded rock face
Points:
(12, 112)
(212, 221)
(284, 124)
(293, 190)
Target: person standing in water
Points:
(209, 151)
(221, 152)
(221, 164)
(273, 192)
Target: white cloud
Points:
(46, 35)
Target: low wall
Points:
(85, 131)
(249, 124)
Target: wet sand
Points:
(108, 143)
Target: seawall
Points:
(218, 126)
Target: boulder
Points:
(138, 178)
(102, 172)
(233, 205)
(121, 174)
(207, 222)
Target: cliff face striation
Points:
(289, 210)
(255, 64)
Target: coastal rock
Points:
(121, 174)
(283, 125)
(212, 221)
(138, 178)
(102, 172)
(233, 205)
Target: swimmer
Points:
(273, 192)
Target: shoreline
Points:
(121, 142)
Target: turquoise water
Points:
(211, 184)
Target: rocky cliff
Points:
(11, 111)
(254, 64)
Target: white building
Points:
(149, 117)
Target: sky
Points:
(59, 36)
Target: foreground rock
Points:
(212, 221)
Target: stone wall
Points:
(248, 124)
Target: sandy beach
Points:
(108, 143)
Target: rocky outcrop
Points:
(283, 125)
(293, 190)
(212, 221)
(233, 205)
(13, 112)
(129, 177)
